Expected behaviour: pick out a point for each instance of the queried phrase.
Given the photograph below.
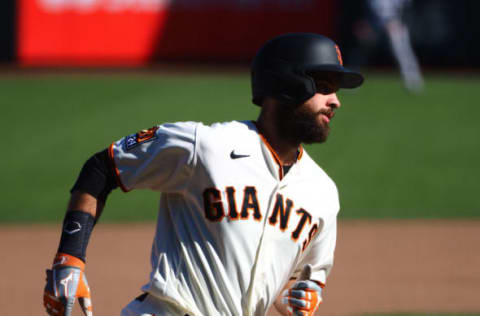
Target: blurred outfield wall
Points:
(135, 32)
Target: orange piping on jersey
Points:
(117, 172)
(274, 153)
(300, 153)
(275, 156)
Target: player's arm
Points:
(66, 280)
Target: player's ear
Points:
(268, 102)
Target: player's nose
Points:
(333, 101)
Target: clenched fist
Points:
(66, 281)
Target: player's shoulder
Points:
(187, 126)
(320, 186)
(201, 133)
(228, 130)
(314, 171)
(183, 130)
(234, 126)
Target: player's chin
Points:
(317, 135)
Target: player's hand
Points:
(66, 281)
(304, 297)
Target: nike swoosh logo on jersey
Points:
(233, 155)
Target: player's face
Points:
(310, 122)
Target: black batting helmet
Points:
(285, 67)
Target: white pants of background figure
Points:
(389, 15)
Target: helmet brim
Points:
(347, 79)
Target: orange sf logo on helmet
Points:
(339, 55)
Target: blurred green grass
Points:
(392, 154)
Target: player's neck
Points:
(286, 150)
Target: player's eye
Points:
(325, 87)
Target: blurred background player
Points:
(386, 17)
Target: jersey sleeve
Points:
(161, 158)
(320, 252)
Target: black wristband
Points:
(77, 227)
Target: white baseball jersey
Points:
(232, 228)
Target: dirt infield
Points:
(381, 266)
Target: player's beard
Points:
(300, 126)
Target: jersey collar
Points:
(272, 155)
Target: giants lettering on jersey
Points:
(250, 208)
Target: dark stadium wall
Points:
(7, 30)
(225, 31)
(444, 33)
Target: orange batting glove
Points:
(65, 282)
(305, 295)
(303, 298)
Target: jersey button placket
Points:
(258, 271)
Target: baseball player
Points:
(247, 219)
(387, 15)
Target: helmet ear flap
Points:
(291, 87)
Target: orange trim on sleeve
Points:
(117, 172)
